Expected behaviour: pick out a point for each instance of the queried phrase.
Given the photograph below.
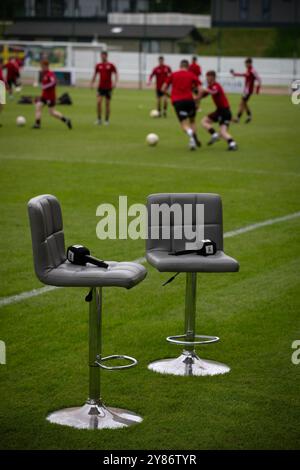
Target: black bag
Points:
(25, 100)
(64, 99)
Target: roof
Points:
(91, 29)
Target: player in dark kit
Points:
(251, 78)
(222, 114)
(183, 84)
(48, 98)
(106, 71)
(161, 73)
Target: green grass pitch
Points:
(255, 311)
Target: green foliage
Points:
(258, 42)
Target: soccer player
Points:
(161, 73)
(106, 71)
(195, 68)
(48, 98)
(12, 75)
(251, 77)
(183, 83)
(222, 114)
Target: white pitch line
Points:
(25, 295)
(265, 223)
(233, 233)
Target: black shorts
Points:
(159, 93)
(185, 109)
(49, 103)
(246, 96)
(11, 82)
(222, 116)
(105, 92)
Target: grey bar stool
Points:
(158, 255)
(52, 267)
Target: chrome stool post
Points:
(94, 414)
(188, 363)
(190, 309)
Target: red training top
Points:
(161, 73)
(218, 95)
(105, 71)
(12, 70)
(195, 69)
(183, 83)
(251, 76)
(48, 85)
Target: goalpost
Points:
(71, 61)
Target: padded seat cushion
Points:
(190, 263)
(119, 274)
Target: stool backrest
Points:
(48, 243)
(213, 223)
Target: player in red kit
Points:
(48, 98)
(251, 78)
(12, 75)
(161, 73)
(222, 114)
(195, 68)
(106, 71)
(183, 83)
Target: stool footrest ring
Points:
(132, 362)
(199, 339)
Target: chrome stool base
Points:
(188, 364)
(94, 415)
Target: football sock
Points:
(189, 132)
(38, 122)
(212, 131)
(63, 119)
(229, 141)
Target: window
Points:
(266, 9)
(151, 46)
(244, 9)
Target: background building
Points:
(255, 13)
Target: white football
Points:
(154, 113)
(21, 121)
(152, 139)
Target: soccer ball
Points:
(152, 139)
(21, 121)
(154, 113)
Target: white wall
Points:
(199, 21)
(279, 72)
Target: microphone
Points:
(79, 254)
(208, 248)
